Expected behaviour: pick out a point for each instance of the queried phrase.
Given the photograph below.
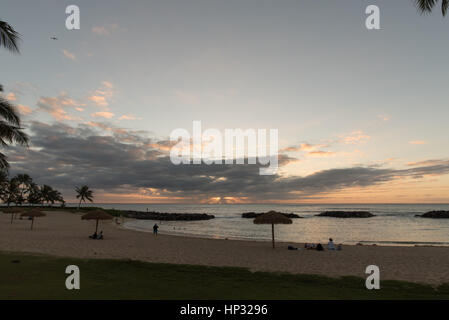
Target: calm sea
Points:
(394, 224)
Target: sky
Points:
(361, 114)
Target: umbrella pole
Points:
(96, 227)
(272, 233)
(12, 217)
(32, 221)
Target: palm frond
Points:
(444, 6)
(9, 38)
(4, 165)
(426, 6)
(8, 112)
(12, 134)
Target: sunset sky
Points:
(362, 114)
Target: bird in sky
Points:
(53, 38)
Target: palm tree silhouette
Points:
(24, 183)
(10, 130)
(84, 193)
(426, 6)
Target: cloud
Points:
(100, 101)
(103, 95)
(303, 147)
(56, 106)
(417, 142)
(104, 114)
(24, 110)
(384, 117)
(321, 153)
(355, 137)
(127, 117)
(104, 30)
(427, 162)
(68, 54)
(11, 96)
(115, 160)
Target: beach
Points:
(64, 234)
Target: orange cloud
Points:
(68, 54)
(99, 100)
(127, 117)
(55, 106)
(417, 142)
(104, 30)
(320, 153)
(24, 110)
(355, 137)
(384, 117)
(11, 96)
(104, 114)
(427, 163)
(101, 96)
(303, 147)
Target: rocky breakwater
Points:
(252, 215)
(441, 214)
(346, 214)
(168, 216)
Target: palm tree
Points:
(35, 195)
(426, 6)
(11, 193)
(10, 130)
(84, 193)
(51, 195)
(24, 183)
(4, 182)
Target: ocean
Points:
(394, 224)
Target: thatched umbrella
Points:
(96, 215)
(33, 213)
(12, 211)
(272, 217)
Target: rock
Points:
(169, 216)
(441, 214)
(252, 215)
(346, 214)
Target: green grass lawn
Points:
(43, 277)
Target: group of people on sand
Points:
(319, 247)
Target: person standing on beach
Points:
(155, 227)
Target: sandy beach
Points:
(65, 234)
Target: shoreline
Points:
(64, 234)
(409, 244)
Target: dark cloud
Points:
(123, 161)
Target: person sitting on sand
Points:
(155, 227)
(339, 247)
(330, 244)
(319, 247)
(100, 236)
(94, 236)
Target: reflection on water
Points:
(393, 224)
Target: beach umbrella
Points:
(33, 213)
(272, 217)
(96, 215)
(12, 211)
